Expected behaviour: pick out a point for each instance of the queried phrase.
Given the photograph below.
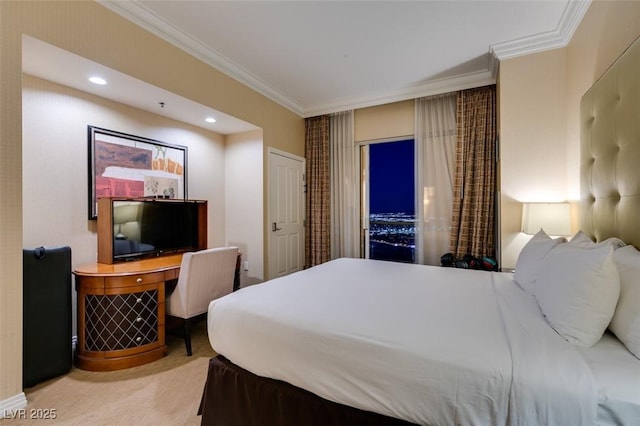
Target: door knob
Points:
(274, 227)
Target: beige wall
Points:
(384, 121)
(533, 154)
(89, 30)
(606, 31)
(538, 100)
(539, 114)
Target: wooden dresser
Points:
(121, 312)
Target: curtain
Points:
(345, 224)
(317, 229)
(435, 166)
(473, 222)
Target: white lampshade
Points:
(553, 218)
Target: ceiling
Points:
(317, 57)
(51, 63)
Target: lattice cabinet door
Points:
(120, 321)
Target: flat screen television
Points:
(140, 228)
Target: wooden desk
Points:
(121, 312)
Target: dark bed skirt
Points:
(234, 396)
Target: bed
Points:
(357, 341)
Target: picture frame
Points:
(124, 165)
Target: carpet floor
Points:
(163, 392)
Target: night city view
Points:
(391, 201)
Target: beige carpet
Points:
(164, 392)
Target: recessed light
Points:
(210, 120)
(98, 80)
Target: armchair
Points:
(205, 275)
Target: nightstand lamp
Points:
(553, 218)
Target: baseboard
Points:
(9, 406)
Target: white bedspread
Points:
(430, 345)
(617, 375)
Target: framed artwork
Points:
(122, 165)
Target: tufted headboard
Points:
(610, 152)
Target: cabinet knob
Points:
(138, 319)
(138, 280)
(138, 338)
(138, 300)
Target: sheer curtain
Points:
(345, 224)
(435, 168)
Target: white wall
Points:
(55, 151)
(55, 161)
(244, 201)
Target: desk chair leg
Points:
(187, 335)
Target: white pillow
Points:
(614, 242)
(626, 320)
(577, 291)
(583, 240)
(530, 257)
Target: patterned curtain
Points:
(317, 230)
(473, 222)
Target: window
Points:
(388, 203)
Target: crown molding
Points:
(142, 17)
(432, 87)
(573, 13)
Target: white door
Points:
(286, 213)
